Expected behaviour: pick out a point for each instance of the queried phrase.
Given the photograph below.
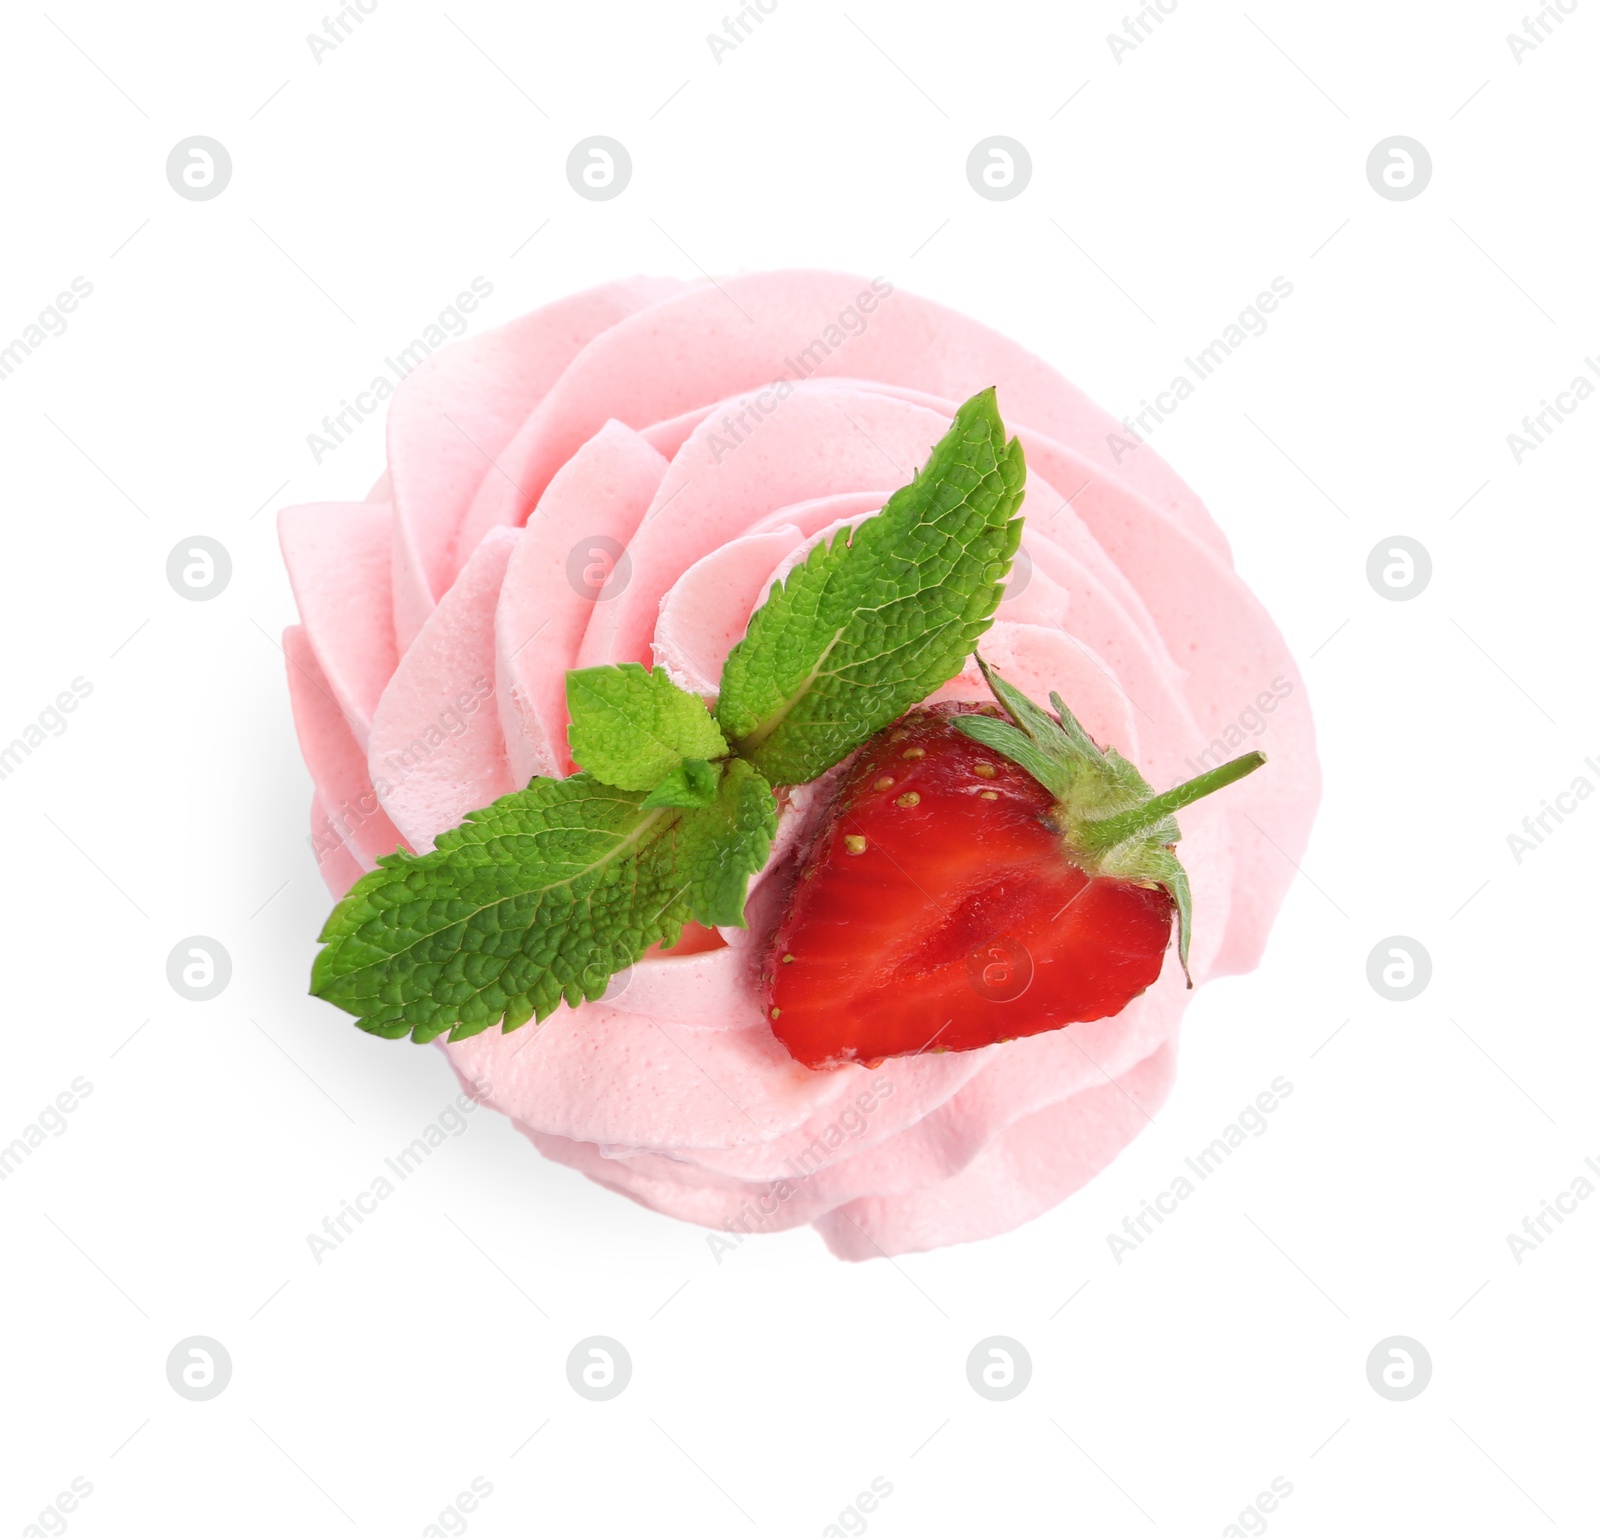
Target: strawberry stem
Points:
(1107, 832)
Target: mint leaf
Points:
(693, 783)
(541, 897)
(871, 624)
(720, 848)
(632, 728)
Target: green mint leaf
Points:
(631, 728)
(722, 846)
(871, 624)
(693, 783)
(541, 897)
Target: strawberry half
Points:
(982, 873)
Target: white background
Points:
(1168, 189)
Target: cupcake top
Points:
(621, 477)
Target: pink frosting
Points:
(714, 433)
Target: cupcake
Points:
(613, 486)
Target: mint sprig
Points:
(548, 893)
